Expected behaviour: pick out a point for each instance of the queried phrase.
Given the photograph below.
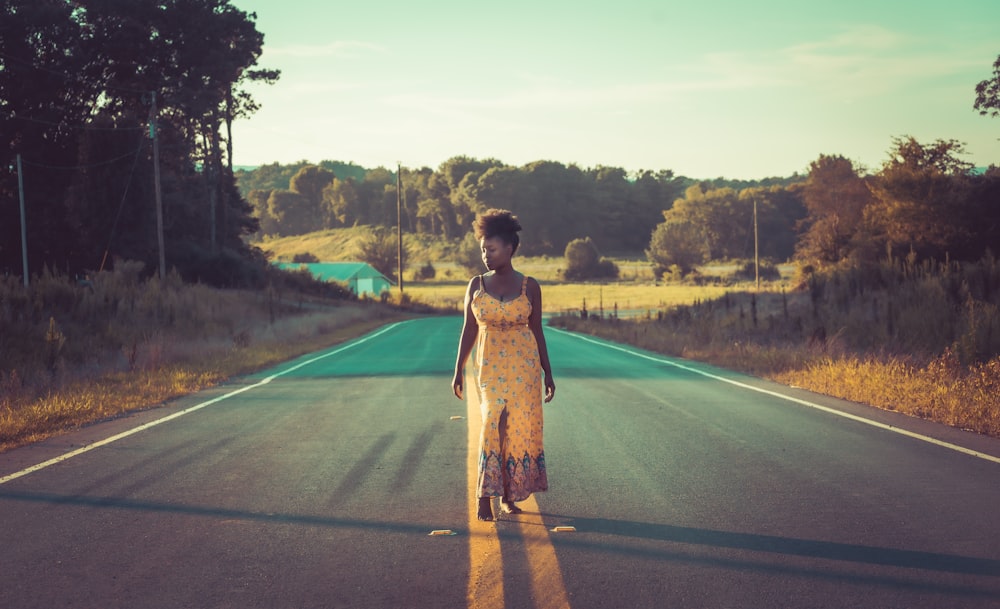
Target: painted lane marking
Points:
(486, 578)
(485, 588)
(215, 400)
(547, 586)
(846, 415)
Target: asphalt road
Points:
(342, 480)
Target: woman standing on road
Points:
(503, 321)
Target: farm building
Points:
(360, 277)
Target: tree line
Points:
(86, 85)
(556, 202)
(924, 201)
(84, 88)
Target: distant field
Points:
(635, 292)
(630, 298)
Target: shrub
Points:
(583, 261)
(427, 271)
(768, 271)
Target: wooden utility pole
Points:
(399, 229)
(156, 185)
(24, 224)
(756, 248)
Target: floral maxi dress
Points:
(509, 374)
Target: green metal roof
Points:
(338, 271)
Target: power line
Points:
(88, 166)
(121, 205)
(77, 127)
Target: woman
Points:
(503, 321)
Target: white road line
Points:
(846, 415)
(135, 430)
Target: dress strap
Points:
(482, 286)
(524, 286)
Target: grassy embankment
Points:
(917, 339)
(72, 355)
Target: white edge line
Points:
(145, 426)
(846, 415)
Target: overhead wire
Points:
(121, 206)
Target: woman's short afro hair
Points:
(498, 223)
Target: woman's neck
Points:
(504, 271)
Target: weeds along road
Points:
(319, 484)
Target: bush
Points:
(768, 271)
(583, 261)
(427, 271)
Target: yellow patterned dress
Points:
(509, 373)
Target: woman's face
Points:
(495, 252)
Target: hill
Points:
(341, 245)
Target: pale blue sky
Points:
(704, 88)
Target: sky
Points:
(706, 89)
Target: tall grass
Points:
(920, 338)
(75, 352)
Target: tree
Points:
(723, 219)
(310, 182)
(77, 84)
(342, 202)
(988, 93)
(291, 212)
(921, 199)
(835, 197)
(779, 212)
(583, 261)
(379, 248)
(679, 243)
(469, 254)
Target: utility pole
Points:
(156, 185)
(756, 248)
(399, 229)
(24, 224)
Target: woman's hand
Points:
(457, 384)
(550, 388)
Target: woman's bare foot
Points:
(485, 509)
(509, 507)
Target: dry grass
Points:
(914, 339)
(73, 356)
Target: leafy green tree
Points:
(583, 261)
(469, 254)
(988, 93)
(46, 97)
(258, 202)
(291, 212)
(379, 248)
(461, 176)
(724, 220)
(984, 237)
(378, 197)
(677, 243)
(780, 210)
(70, 71)
(310, 182)
(921, 199)
(342, 202)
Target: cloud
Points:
(862, 60)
